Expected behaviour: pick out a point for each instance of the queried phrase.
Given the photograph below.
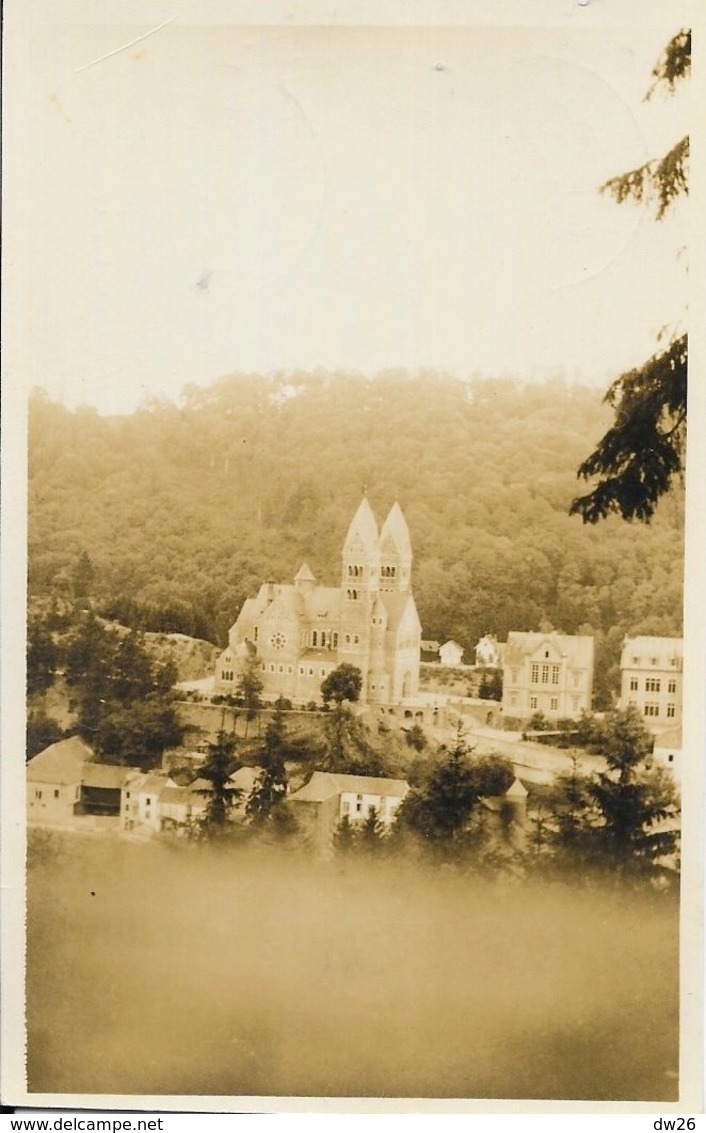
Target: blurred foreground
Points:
(154, 969)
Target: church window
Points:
(311, 672)
(280, 668)
(301, 670)
(355, 639)
(394, 571)
(322, 672)
(254, 635)
(314, 638)
(335, 641)
(264, 668)
(290, 669)
(348, 639)
(272, 668)
(278, 640)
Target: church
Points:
(295, 634)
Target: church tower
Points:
(396, 552)
(360, 580)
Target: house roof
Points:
(577, 648)
(671, 739)
(324, 784)
(663, 649)
(106, 775)
(60, 763)
(455, 644)
(430, 646)
(244, 778)
(516, 790)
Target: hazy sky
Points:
(222, 197)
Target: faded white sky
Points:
(221, 197)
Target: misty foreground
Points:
(160, 970)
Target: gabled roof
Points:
(324, 784)
(245, 778)
(578, 649)
(304, 574)
(60, 763)
(322, 602)
(396, 603)
(106, 775)
(663, 649)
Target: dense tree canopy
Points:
(184, 512)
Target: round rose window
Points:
(278, 641)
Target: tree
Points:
(42, 656)
(249, 688)
(623, 818)
(345, 682)
(217, 769)
(639, 457)
(83, 576)
(440, 809)
(270, 788)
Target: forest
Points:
(167, 519)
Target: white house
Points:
(651, 680)
(668, 749)
(488, 652)
(327, 798)
(550, 673)
(450, 653)
(139, 804)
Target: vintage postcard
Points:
(356, 551)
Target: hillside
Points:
(170, 517)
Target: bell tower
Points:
(395, 552)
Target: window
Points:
(345, 808)
(652, 684)
(355, 639)
(577, 678)
(335, 641)
(555, 674)
(545, 674)
(280, 668)
(278, 640)
(554, 704)
(513, 676)
(670, 758)
(671, 711)
(359, 804)
(535, 674)
(37, 794)
(653, 660)
(546, 652)
(513, 698)
(272, 668)
(533, 702)
(301, 670)
(314, 638)
(633, 684)
(672, 685)
(148, 802)
(290, 669)
(264, 668)
(348, 639)
(652, 710)
(56, 794)
(254, 636)
(575, 703)
(311, 672)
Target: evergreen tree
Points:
(248, 689)
(42, 657)
(641, 454)
(270, 788)
(218, 767)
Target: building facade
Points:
(651, 671)
(550, 673)
(294, 635)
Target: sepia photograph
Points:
(358, 751)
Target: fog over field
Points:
(184, 970)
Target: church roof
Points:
(395, 528)
(304, 574)
(363, 527)
(396, 604)
(323, 602)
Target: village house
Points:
(295, 634)
(67, 788)
(651, 680)
(451, 653)
(322, 803)
(550, 673)
(668, 750)
(140, 807)
(488, 652)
